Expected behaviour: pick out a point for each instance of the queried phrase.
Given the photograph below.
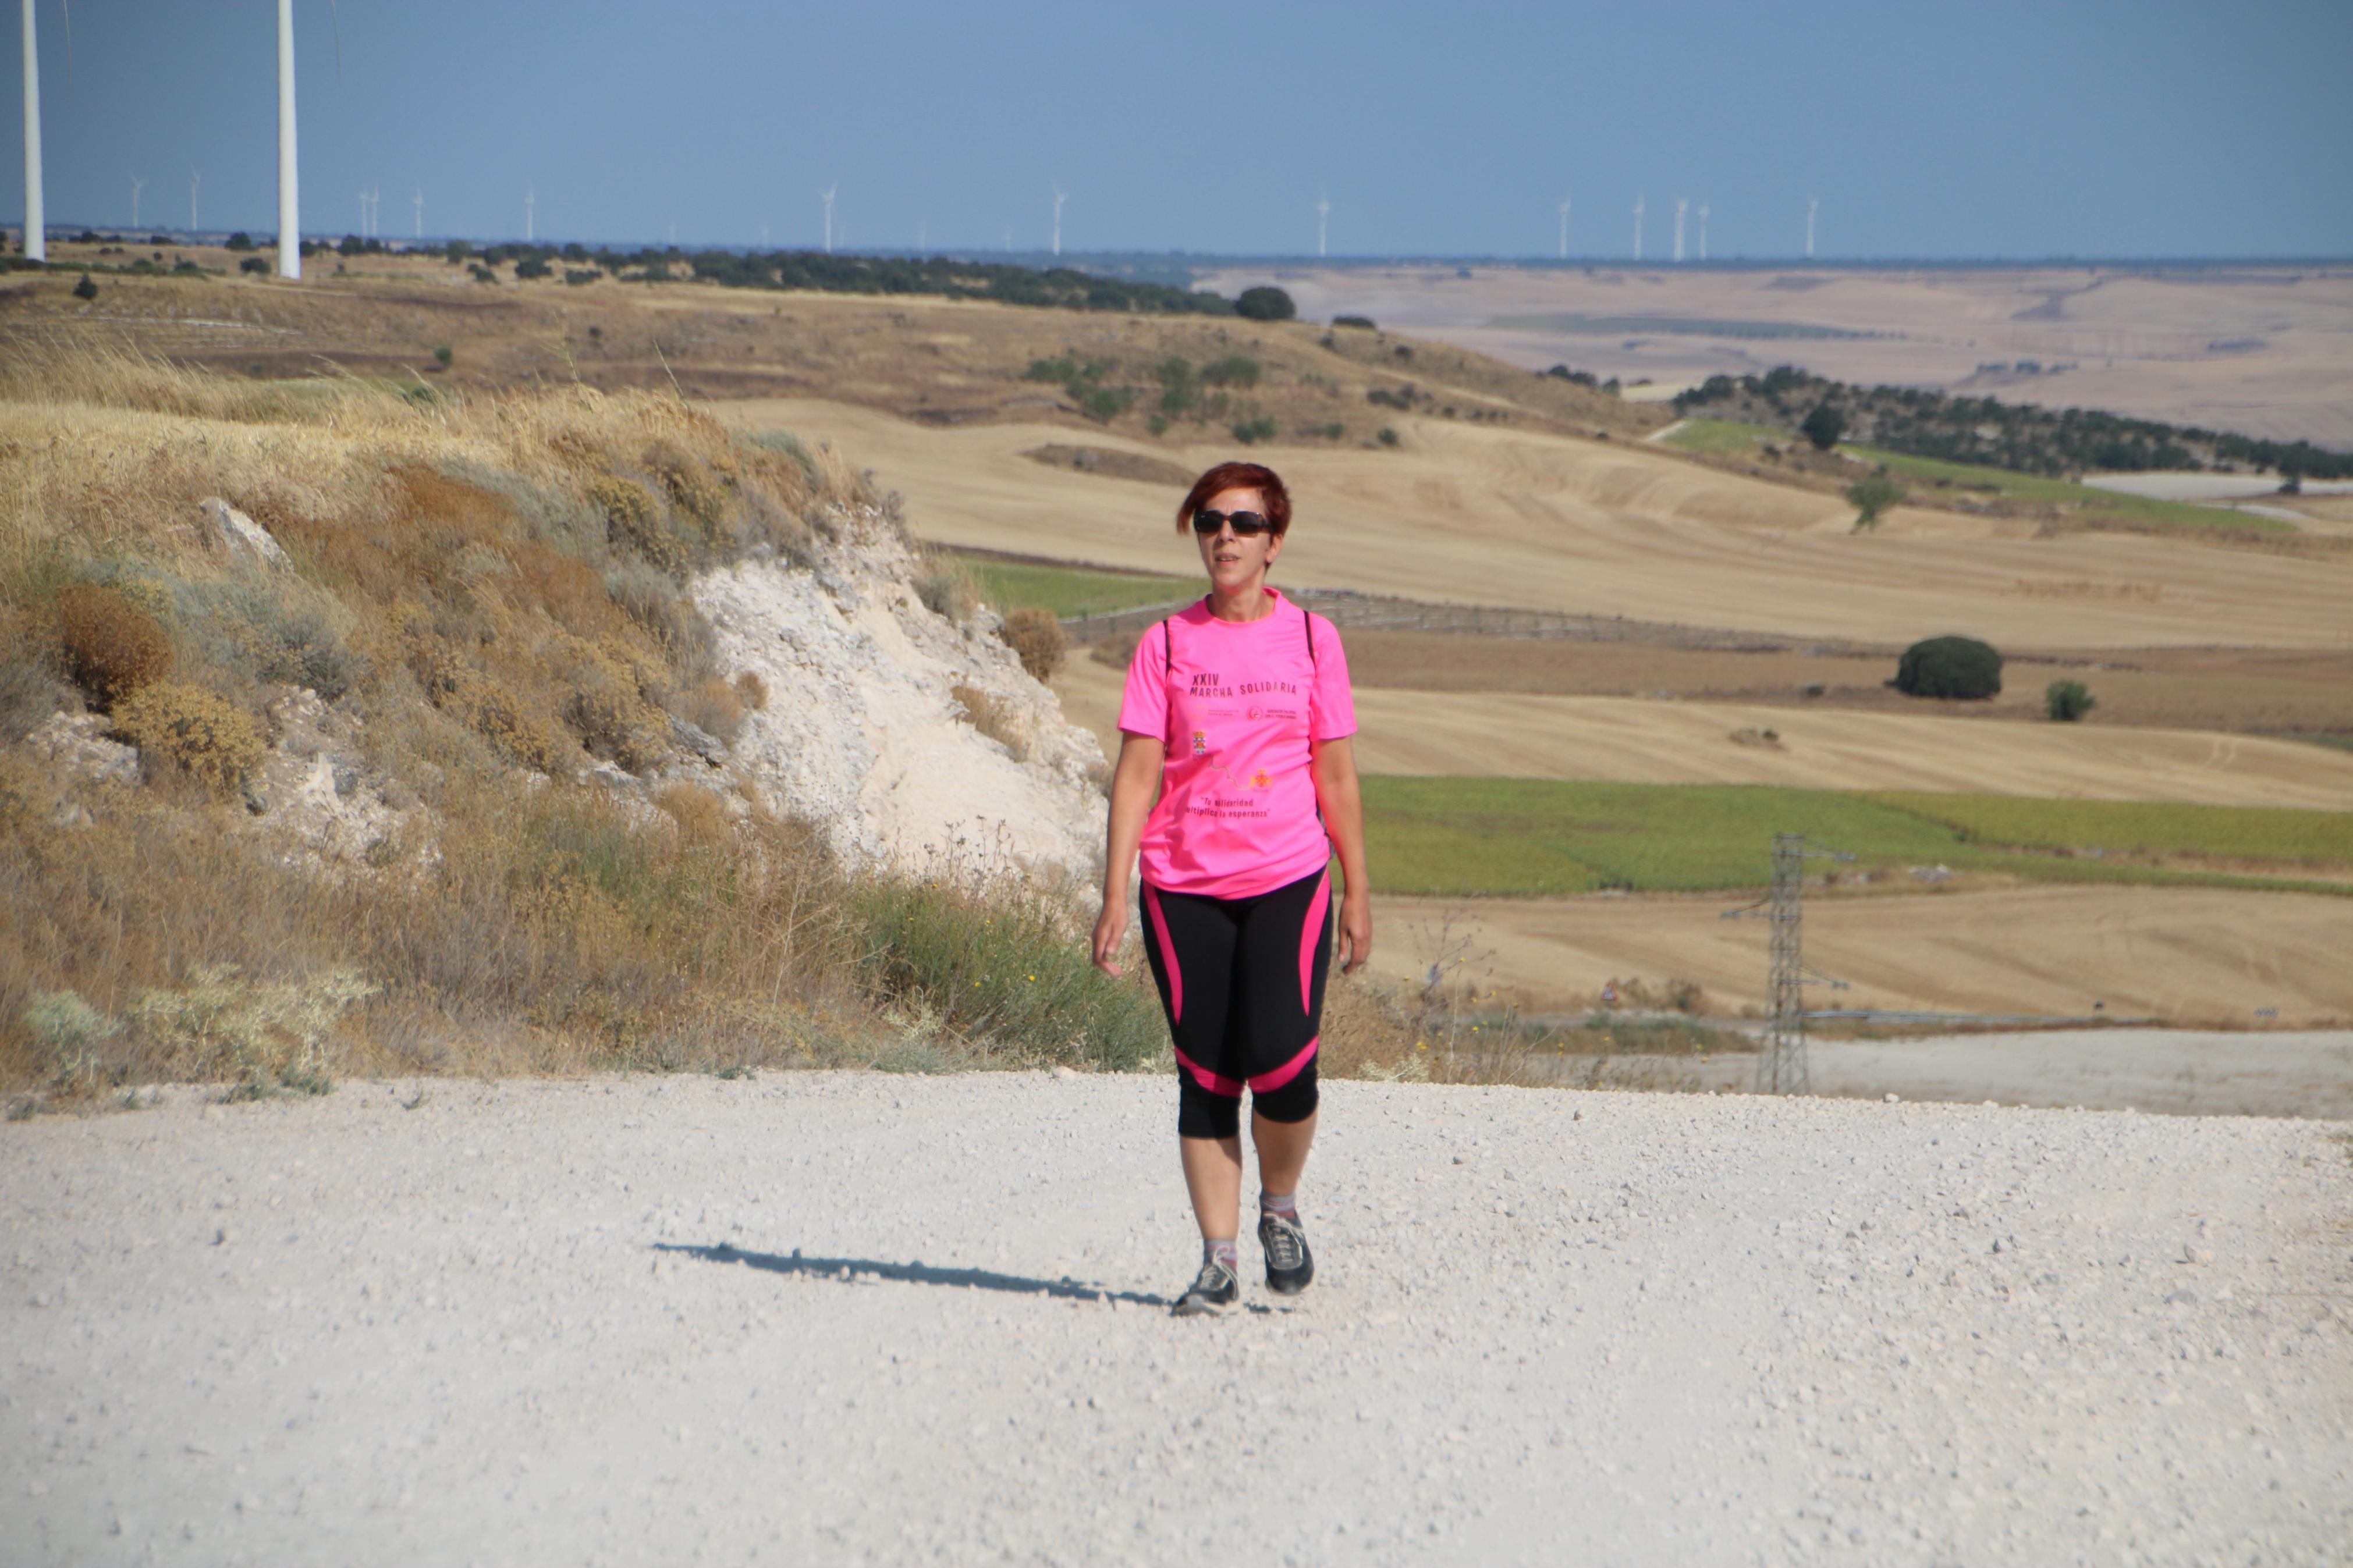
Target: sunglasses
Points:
(1246, 524)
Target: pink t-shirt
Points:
(1236, 704)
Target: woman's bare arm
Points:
(1343, 819)
(1133, 784)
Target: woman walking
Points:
(1238, 713)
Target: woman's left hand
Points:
(1355, 932)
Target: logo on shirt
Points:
(1200, 744)
(1259, 779)
(1257, 712)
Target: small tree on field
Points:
(240, 240)
(1823, 426)
(1871, 496)
(85, 290)
(1265, 303)
(2067, 701)
(1949, 667)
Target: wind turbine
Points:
(1564, 228)
(825, 195)
(1703, 231)
(1058, 197)
(418, 201)
(289, 201)
(1638, 226)
(1323, 215)
(194, 180)
(36, 235)
(530, 215)
(1682, 205)
(135, 183)
(1811, 203)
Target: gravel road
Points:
(854, 1317)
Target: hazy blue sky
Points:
(1993, 128)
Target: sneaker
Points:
(1288, 1265)
(1213, 1292)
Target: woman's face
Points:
(1233, 562)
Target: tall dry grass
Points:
(490, 592)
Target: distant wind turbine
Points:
(1058, 197)
(36, 235)
(1564, 228)
(825, 195)
(1811, 203)
(194, 180)
(1322, 214)
(1703, 231)
(135, 183)
(289, 198)
(530, 215)
(418, 201)
(1638, 228)
(1682, 205)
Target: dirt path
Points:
(1549, 1327)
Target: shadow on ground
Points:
(852, 1268)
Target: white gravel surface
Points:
(1549, 1327)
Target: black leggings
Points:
(1241, 980)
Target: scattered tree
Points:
(1265, 303)
(2067, 701)
(1823, 426)
(1364, 322)
(85, 290)
(1949, 667)
(1871, 496)
(256, 264)
(240, 240)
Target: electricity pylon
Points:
(1781, 1068)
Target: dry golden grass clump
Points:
(111, 646)
(1038, 638)
(188, 728)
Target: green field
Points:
(1672, 326)
(1071, 590)
(1732, 435)
(1538, 837)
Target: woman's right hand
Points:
(1111, 930)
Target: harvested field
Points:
(2192, 956)
(1485, 516)
(2251, 348)
(652, 1319)
(1641, 741)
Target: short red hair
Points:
(1239, 477)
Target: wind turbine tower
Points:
(1703, 231)
(1811, 203)
(1058, 219)
(135, 183)
(1564, 228)
(1682, 205)
(195, 180)
(418, 201)
(530, 216)
(1638, 228)
(1323, 217)
(289, 200)
(36, 237)
(825, 195)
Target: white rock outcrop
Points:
(241, 538)
(906, 736)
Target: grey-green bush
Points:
(2064, 701)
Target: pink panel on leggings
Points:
(1313, 928)
(1167, 956)
(1216, 1083)
(1268, 1082)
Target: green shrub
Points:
(204, 736)
(256, 264)
(1952, 667)
(1386, 437)
(634, 522)
(996, 967)
(1234, 369)
(240, 240)
(578, 275)
(111, 646)
(1038, 636)
(1364, 322)
(531, 267)
(70, 1030)
(1250, 431)
(1265, 303)
(86, 288)
(2064, 701)
(1061, 369)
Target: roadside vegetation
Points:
(1010, 585)
(1528, 837)
(485, 595)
